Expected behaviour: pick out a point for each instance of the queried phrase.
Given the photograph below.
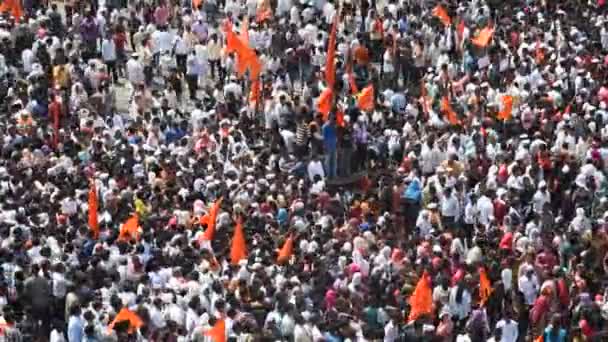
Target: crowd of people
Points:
(305, 171)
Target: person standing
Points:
(330, 140)
(38, 292)
(108, 54)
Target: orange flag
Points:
(485, 286)
(540, 338)
(421, 301)
(135, 322)
(484, 37)
(14, 7)
(93, 207)
(130, 229)
(507, 108)
(324, 104)
(218, 332)
(247, 59)
(365, 98)
(255, 92)
(210, 219)
(238, 249)
(286, 251)
(447, 109)
(440, 12)
(330, 66)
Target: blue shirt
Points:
(330, 137)
(75, 329)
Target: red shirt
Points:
(120, 40)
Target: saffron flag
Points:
(440, 12)
(330, 66)
(485, 286)
(246, 56)
(421, 301)
(507, 108)
(218, 332)
(238, 249)
(484, 37)
(130, 229)
(13, 7)
(135, 322)
(210, 219)
(324, 103)
(365, 99)
(286, 251)
(93, 208)
(449, 112)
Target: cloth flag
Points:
(485, 286)
(324, 103)
(130, 229)
(218, 332)
(210, 219)
(440, 12)
(365, 98)
(13, 7)
(330, 66)
(507, 108)
(449, 112)
(286, 251)
(93, 208)
(238, 249)
(484, 37)
(421, 301)
(135, 322)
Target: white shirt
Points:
(529, 287)
(27, 57)
(460, 310)
(391, 333)
(485, 208)
(315, 168)
(135, 72)
(108, 50)
(509, 330)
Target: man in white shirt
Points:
(108, 54)
(528, 285)
(135, 71)
(508, 328)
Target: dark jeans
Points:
(181, 63)
(148, 74)
(215, 69)
(112, 70)
(192, 81)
